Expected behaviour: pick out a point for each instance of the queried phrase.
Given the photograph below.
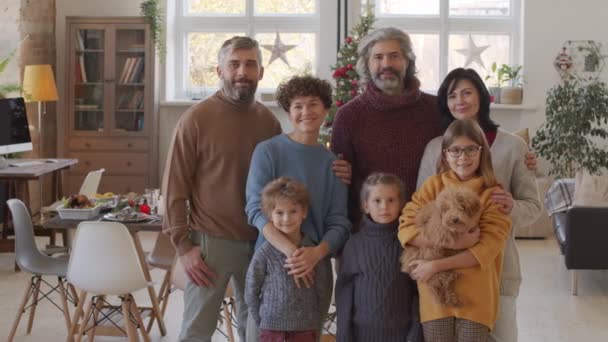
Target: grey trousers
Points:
(253, 331)
(228, 259)
(505, 328)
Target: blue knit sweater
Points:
(374, 298)
(311, 165)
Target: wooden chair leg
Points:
(167, 293)
(63, 291)
(26, 296)
(34, 304)
(131, 332)
(98, 305)
(574, 274)
(85, 320)
(140, 322)
(77, 313)
(228, 321)
(163, 296)
(73, 293)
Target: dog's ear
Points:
(472, 205)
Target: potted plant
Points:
(513, 93)
(574, 132)
(496, 79)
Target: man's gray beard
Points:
(242, 95)
(392, 86)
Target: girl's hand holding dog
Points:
(423, 270)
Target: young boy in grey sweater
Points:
(283, 311)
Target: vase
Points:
(495, 91)
(511, 95)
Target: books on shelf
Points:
(131, 99)
(83, 72)
(132, 70)
(86, 106)
(79, 40)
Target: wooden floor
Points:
(546, 310)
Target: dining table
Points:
(153, 225)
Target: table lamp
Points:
(39, 86)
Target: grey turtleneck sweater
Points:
(274, 301)
(375, 300)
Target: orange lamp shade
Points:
(39, 83)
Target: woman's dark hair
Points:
(447, 86)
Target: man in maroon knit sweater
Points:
(387, 127)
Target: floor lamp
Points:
(39, 86)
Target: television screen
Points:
(14, 128)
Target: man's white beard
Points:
(390, 86)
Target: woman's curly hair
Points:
(303, 86)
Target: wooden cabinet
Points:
(111, 120)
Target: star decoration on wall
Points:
(278, 50)
(473, 53)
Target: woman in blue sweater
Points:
(298, 155)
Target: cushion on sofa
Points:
(590, 190)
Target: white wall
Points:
(547, 24)
(9, 39)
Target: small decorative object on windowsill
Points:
(496, 81)
(513, 93)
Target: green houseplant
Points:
(6, 89)
(513, 93)
(575, 129)
(495, 79)
(154, 15)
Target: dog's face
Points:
(459, 208)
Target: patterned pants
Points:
(452, 329)
(288, 336)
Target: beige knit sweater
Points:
(508, 160)
(208, 164)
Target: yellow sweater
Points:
(478, 287)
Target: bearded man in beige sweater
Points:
(207, 167)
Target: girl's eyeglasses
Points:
(469, 151)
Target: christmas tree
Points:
(344, 73)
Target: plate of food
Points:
(127, 217)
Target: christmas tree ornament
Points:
(278, 50)
(473, 53)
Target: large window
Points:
(440, 28)
(197, 28)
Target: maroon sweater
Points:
(380, 133)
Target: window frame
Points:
(444, 25)
(180, 24)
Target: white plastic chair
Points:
(30, 259)
(95, 269)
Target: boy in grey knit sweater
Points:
(283, 311)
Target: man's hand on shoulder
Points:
(342, 169)
(197, 270)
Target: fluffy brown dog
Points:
(456, 210)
